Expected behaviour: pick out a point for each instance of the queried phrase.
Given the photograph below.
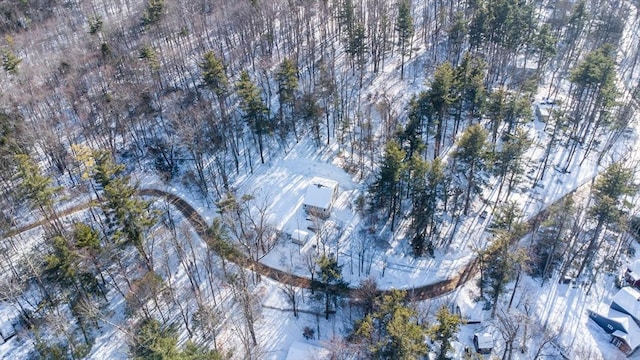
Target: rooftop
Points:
(628, 299)
(320, 193)
(299, 235)
(485, 340)
(633, 269)
(299, 351)
(632, 335)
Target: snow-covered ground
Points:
(283, 181)
(561, 308)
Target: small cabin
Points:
(299, 237)
(7, 329)
(632, 275)
(544, 110)
(625, 342)
(303, 351)
(483, 343)
(9, 319)
(319, 198)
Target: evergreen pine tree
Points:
(330, 274)
(128, 216)
(37, 190)
(214, 75)
(441, 97)
(385, 191)
(500, 265)
(392, 330)
(444, 330)
(404, 28)
(471, 157)
(427, 188)
(287, 78)
(609, 192)
(254, 109)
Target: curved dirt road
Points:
(200, 226)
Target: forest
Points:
(481, 146)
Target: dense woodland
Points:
(202, 92)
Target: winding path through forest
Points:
(199, 224)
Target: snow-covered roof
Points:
(632, 336)
(485, 340)
(8, 317)
(619, 317)
(544, 110)
(633, 340)
(320, 193)
(628, 299)
(299, 235)
(6, 329)
(633, 269)
(303, 351)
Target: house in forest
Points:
(300, 350)
(8, 322)
(543, 110)
(299, 237)
(483, 343)
(319, 198)
(7, 330)
(632, 275)
(621, 321)
(627, 301)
